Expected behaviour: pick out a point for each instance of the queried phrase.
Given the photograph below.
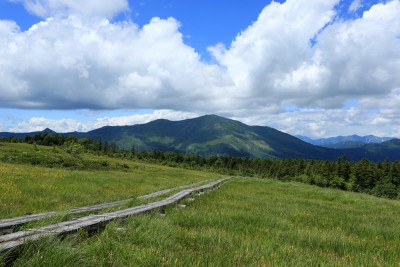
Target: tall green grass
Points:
(56, 157)
(27, 188)
(247, 222)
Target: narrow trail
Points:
(11, 242)
(7, 225)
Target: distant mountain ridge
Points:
(22, 135)
(213, 135)
(342, 142)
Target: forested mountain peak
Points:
(214, 135)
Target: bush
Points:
(320, 180)
(303, 179)
(338, 182)
(105, 164)
(387, 189)
(73, 148)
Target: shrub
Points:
(303, 179)
(338, 182)
(387, 189)
(73, 148)
(320, 180)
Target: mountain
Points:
(342, 142)
(22, 135)
(209, 135)
(376, 152)
(213, 135)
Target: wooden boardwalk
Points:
(93, 222)
(6, 225)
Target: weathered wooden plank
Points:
(163, 192)
(13, 236)
(14, 240)
(15, 222)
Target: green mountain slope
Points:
(210, 135)
(376, 152)
(213, 135)
(346, 144)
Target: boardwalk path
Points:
(7, 225)
(93, 222)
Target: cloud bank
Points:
(83, 63)
(70, 125)
(64, 8)
(297, 55)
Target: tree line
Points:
(378, 178)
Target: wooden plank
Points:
(14, 240)
(163, 192)
(7, 224)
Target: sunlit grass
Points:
(27, 188)
(244, 223)
(247, 222)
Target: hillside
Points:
(45, 178)
(377, 152)
(246, 222)
(213, 135)
(210, 135)
(345, 145)
(343, 142)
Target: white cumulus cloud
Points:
(73, 63)
(297, 54)
(273, 60)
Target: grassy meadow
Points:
(247, 222)
(33, 188)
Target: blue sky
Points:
(317, 68)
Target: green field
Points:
(246, 222)
(27, 188)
